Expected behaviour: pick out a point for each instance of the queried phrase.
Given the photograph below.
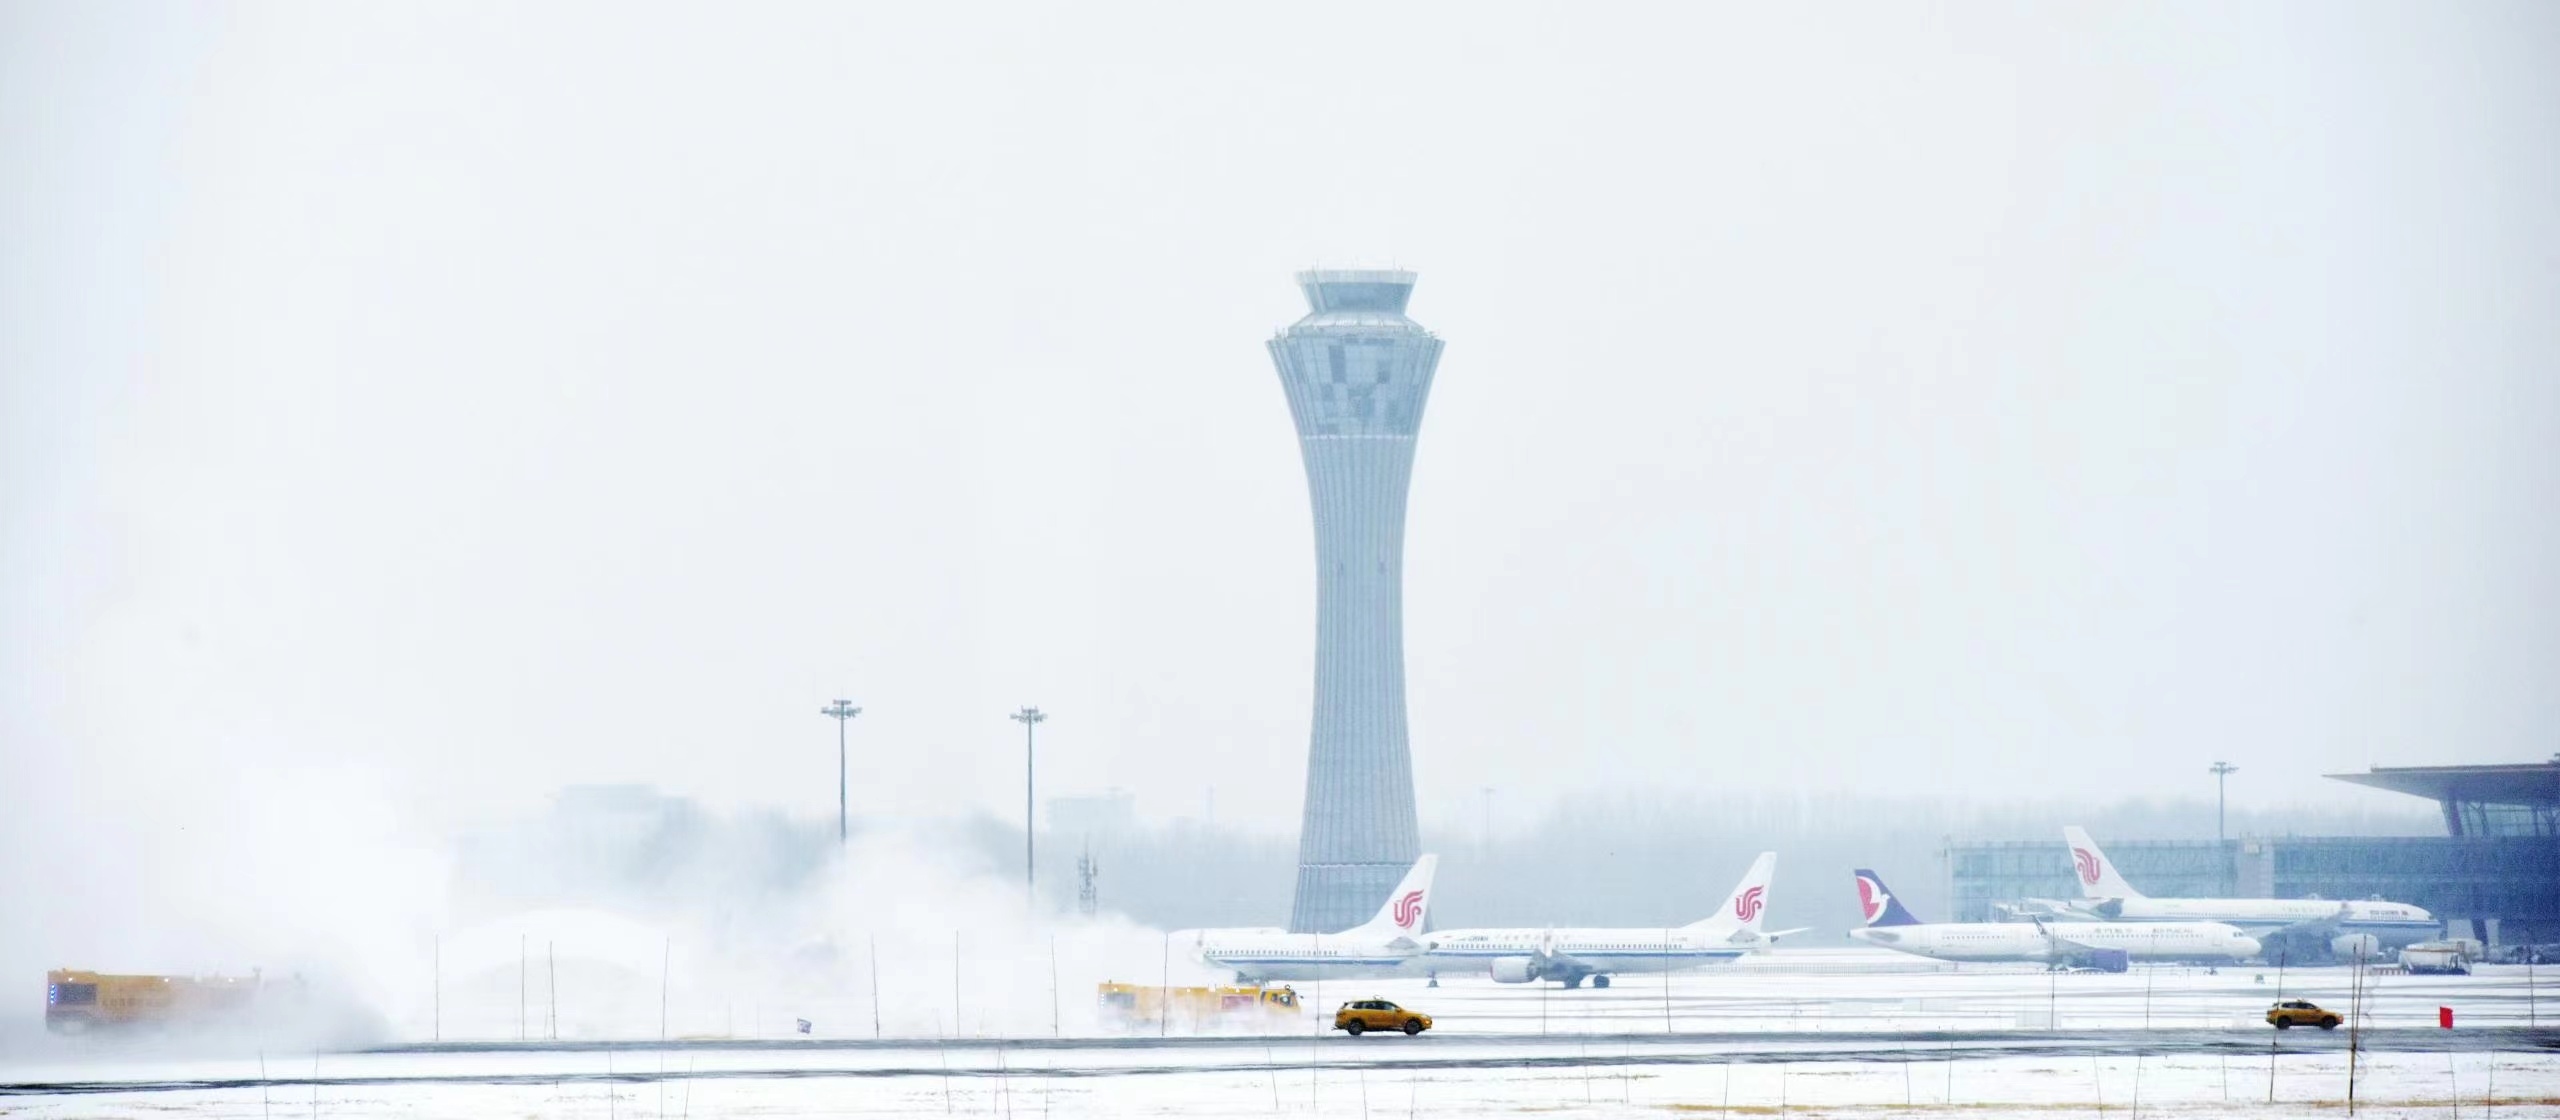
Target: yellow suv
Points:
(1378, 1015)
(2302, 1013)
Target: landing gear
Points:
(1599, 981)
(1435, 980)
(1573, 981)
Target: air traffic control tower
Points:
(1357, 373)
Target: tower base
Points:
(1333, 897)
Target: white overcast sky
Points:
(465, 400)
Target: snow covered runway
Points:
(1753, 1042)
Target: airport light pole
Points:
(841, 711)
(1030, 719)
(2220, 771)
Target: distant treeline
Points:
(1636, 860)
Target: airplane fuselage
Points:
(2059, 941)
(1573, 953)
(2392, 924)
(1253, 955)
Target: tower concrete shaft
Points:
(1357, 373)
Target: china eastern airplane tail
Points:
(1407, 907)
(1878, 905)
(2097, 875)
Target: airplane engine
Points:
(1514, 970)
(2349, 946)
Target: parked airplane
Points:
(1518, 956)
(1386, 945)
(1891, 925)
(2304, 928)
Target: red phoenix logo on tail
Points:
(1408, 909)
(1870, 898)
(2088, 863)
(1746, 905)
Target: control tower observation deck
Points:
(1357, 373)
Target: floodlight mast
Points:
(841, 711)
(2220, 772)
(1030, 719)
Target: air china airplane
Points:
(2308, 927)
(1892, 926)
(1386, 945)
(1518, 956)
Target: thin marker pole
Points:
(2273, 1035)
(2355, 1024)
(2453, 1080)
(666, 958)
(875, 987)
(438, 1029)
(551, 963)
(520, 999)
(943, 1051)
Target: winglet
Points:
(1878, 905)
(2096, 874)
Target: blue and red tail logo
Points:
(1408, 910)
(1877, 905)
(1746, 905)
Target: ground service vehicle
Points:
(1194, 1007)
(1363, 1015)
(76, 1000)
(2302, 1013)
(2420, 960)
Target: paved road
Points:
(561, 1063)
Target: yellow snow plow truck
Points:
(76, 1001)
(1133, 1005)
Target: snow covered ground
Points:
(1795, 1034)
(1894, 1083)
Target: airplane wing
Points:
(2064, 945)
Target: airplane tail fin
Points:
(1749, 900)
(1878, 905)
(2097, 875)
(1408, 906)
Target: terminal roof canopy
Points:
(2527, 783)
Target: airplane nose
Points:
(2253, 945)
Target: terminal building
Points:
(2494, 875)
